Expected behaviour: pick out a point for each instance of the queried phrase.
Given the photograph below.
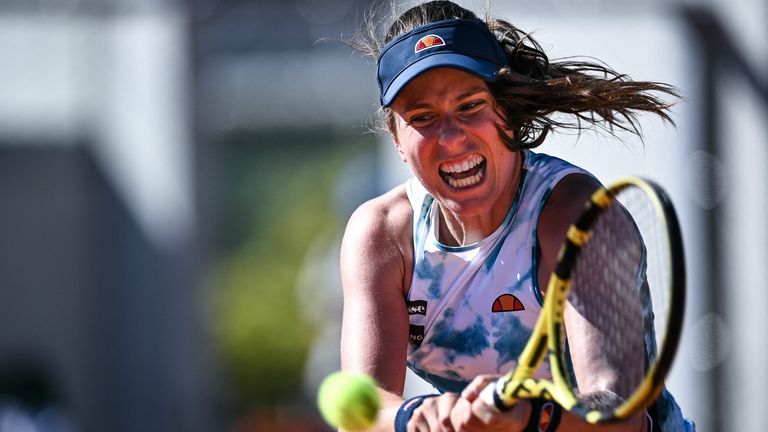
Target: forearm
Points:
(385, 421)
(572, 423)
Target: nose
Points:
(451, 132)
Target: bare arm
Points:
(375, 265)
(596, 373)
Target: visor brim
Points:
(486, 70)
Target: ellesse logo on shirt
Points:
(417, 307)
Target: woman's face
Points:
(446, 130)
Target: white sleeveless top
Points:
(472, 308)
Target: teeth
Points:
(469, 181)
(465, 165)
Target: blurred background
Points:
(175, 177)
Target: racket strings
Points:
(654, 291)
(605, 294)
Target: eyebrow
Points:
(470, 92)
(473, 91)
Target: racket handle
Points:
(491, 397)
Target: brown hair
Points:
(535, 94)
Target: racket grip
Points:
(490, 395)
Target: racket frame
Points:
(548, 334)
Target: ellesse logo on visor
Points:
(429, 41)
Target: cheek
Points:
(486, 123)
(413, 142)
(494, 130)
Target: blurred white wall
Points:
(117, 82)
(111, 84)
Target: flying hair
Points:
(534, 95)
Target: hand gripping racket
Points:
(620, 280)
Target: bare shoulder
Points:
(388, 211)
(378, 235)
(564, 205)
(567, 200)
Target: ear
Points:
(392, 127)
(396, 141)
(398, 147)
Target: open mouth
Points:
(465, 173)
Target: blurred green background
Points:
(276, 199)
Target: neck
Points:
(462, 230)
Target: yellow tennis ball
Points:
(349, 400)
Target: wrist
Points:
(406, 410)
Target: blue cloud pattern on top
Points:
(511, 336)
(426, 271)
(470, 341)
(491, 260)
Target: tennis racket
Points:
(620, 271)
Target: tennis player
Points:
(444, 274)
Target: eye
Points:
(420, 119)
(472, 106)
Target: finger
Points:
(468, 421)
(472, 391)
(427, 415)
(429, 410)
(418, 422)
(516, 417)
(483, 411)
(445, 404)
(461, 414)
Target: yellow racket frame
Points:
(547, 336)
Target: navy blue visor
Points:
(462, 44)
